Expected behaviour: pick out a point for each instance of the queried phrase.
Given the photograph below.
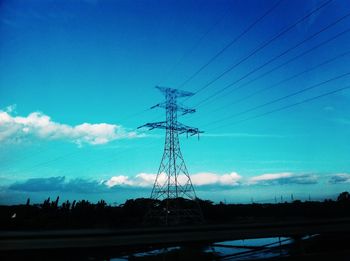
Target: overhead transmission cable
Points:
(44, 163)
(133, 115)
(282, 98)
(193, 48)
(107, 161)
(328, 61)
(56, 159)
(315, 10)
(197, 43)
(285, 107)
(227, 46)
(188, 53)
(291, 60)
(212, 96)
(104, 160)
(265, 44)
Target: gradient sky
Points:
(77, 76)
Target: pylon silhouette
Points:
(173, 186)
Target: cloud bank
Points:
(283, 178)
(340, 178)
(204, 180)
(141, 181)
(15, 129)
(199, 179)
(59, 184)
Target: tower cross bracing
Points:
(173, 184)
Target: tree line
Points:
(51, 214)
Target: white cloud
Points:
(198, 179)
(230, 179)
(282, 178)
(340, 178)
(118, 180)
(147, 179)
(11, 108)
(59, 184)
(38, 125)
(269, 177)
(213, 179)
(208, 178)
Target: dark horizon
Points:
(270, 91)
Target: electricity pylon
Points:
(173, 185)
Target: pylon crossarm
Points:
(175, 107)
(155, 106)
(153, 125)
(179, 127)
(174, 92)
(182, 128)
(187, 111)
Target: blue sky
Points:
(77, 77)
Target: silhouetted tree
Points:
(49, 215)
(66, 205)
(344, 197)
(101, 204)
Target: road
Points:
(143, 237)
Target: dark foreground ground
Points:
(328, 246)
(25, 225)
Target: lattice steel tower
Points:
(173, 184)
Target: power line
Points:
(50, 161)
(23, 158)
(282, 98)
(212, 97)
(280, 66)
(328, 61)
(286, 106)
(56, 159)
(297, 57)
(265, 44)
(227, 46)
(47, 162)
(110, 160)
(193, 48)
(53, 160)
(188, 53)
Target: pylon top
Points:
(174, 92)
